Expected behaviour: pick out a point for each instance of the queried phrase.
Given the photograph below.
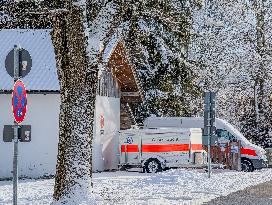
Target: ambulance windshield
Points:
(234, 131)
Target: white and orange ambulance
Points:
(157, 149)
(252, 156)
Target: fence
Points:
(227, 154)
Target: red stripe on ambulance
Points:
(248, 151)
(129, 148)
(160, 147)
(165, 148)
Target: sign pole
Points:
(15, 164)
(209, 124)
(15, 150)
(209, 134)
(209, 146)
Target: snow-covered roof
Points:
(110, 47)
(118, 60)
(43, 74)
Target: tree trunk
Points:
(78, 80)
(78, 90)
(259, 81)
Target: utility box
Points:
(24, 133)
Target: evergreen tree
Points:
(231, 55)
(158, 35)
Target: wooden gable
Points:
(125, 75)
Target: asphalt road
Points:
(256, 195)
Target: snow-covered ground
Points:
(171, 187)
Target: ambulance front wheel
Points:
(247, 166)
(153, 166)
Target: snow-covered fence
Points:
(226, 154)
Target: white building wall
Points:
(38, 157)
(105, 143)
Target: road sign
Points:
(19, 101)
(25, 62)
(209, 112)
(209, 119)
(24, 133)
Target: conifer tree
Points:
(158, 34)
(231, 55)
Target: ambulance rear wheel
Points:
(247, 166)
(153, 166)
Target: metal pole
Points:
(15, 150)
(15, 164)
(209, 146)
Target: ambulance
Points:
(154, 150)
(252, 156)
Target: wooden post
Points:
(233, 158)
(219, 154)
(239, 167)
(228, 156)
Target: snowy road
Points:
(260, 194)
(171, 187)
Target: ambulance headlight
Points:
(264, 157)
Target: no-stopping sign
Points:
(19, 101)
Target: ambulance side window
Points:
(223, 134)
(232, 138)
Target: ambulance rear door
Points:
(130, 146)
